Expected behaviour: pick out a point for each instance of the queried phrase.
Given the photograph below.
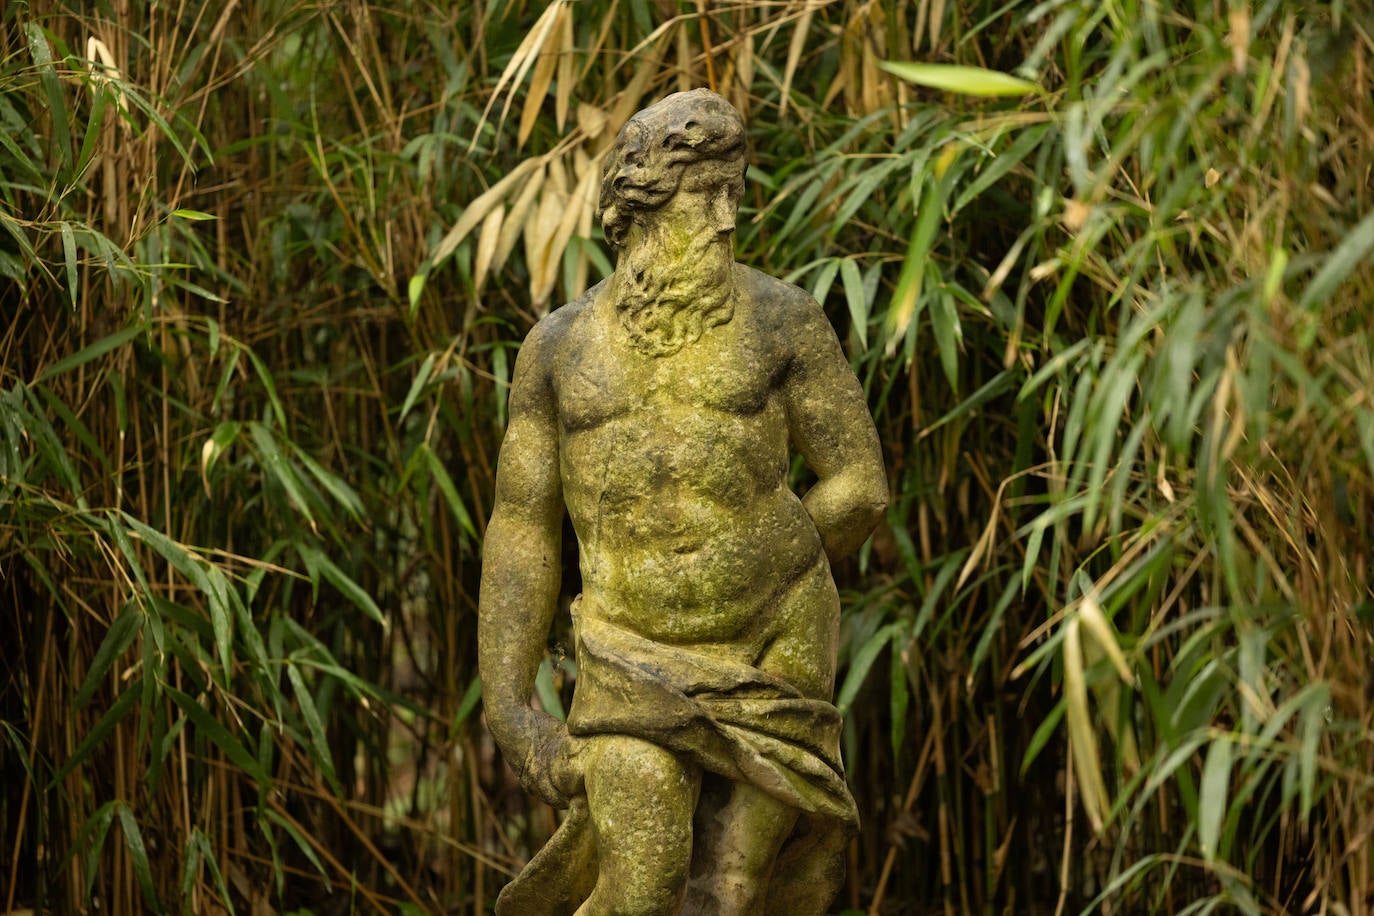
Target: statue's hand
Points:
(552, 769)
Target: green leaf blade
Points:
(975, 81)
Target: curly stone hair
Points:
(654, 148)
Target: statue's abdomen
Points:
(685, 524)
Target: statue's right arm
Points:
(521, 574)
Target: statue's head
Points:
(690, 141)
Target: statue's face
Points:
(691, 141)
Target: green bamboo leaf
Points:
(193, 215)
(1349, 254)
(90, 839)
(91, 140)
(112, 717)
(183, 617)
(1310, 694)
(72, 423)
(906, 549)
(161, 741)
(121, 633)
(151, 110)
(50, 446)
(220, 439)
(86, 354)
(69, 255)
(306, 847)
(417, 386)
(126, 547)
(545, 691)
(1313, 721)
(825, 278)
(414, 290)
(344, 494)
(117, 263)
(176, 282)
(318, 740)
(1216, 781)
(1043, 732)
(949, 335)
(805, 207)
(471, 697)
(25, 160)
(898, 692)
(857, 190)
(860, 663)
(500, 369)
(1056, 364)
(20, 743)
(1252, 641)
(445, 484)
(949, 566)
(190, 566)
(217, 734)
(991, 628)
(362, 688)
(138, 855)
(855, 298)
(1118, 383)
(269, 385)
(907, 301)
(274, 463)
(993, 387)
(961, 79)
(192, 857)
(1032, 558)
(249, 637)
(1199, 702)
(52, 88)
(1001, 164)
(16, 232)
(321, 565)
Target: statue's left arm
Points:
(829, 424)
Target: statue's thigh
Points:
(641, 798)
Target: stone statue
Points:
(700, 759)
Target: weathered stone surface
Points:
(700, 760)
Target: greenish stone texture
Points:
(700, 759)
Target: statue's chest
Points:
(600, 381)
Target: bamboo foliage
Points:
(1104, 270)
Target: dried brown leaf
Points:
(520, 63)
(486, 245)
(591, 120)
(539, 235)
(1087, 766)
(794, 53)
(630, 98)
(552, 259)
(479, 208)
(545, 63)
(565, 70)
(515, 222)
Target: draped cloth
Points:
(729, 718)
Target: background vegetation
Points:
(266, 264)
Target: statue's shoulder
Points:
(777, 303)
(557, 330)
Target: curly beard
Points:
(667, 299)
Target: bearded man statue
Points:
(699, 762)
